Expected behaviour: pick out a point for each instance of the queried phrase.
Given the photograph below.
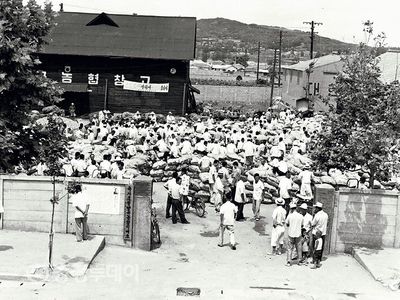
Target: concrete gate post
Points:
(141, 218)
(325, 194)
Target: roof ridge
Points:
(123, 15)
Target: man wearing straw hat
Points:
(278, 229)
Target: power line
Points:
(312, 35)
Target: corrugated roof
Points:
(136, 36)
(318, 62)
(389, 65)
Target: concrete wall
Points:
(369, 218)
(27, 206)
(228, 95)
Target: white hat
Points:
(318, 204)
(292, 205)
(279, 201)
(304, 206)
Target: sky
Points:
(342, 19)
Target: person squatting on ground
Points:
(227, 221)
(278, 227)
(81, 213)
(294, 222)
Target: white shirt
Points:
(307, 220)
(68, 169)
(278, 216)
(285, 184)
(305, 176)
(240, 189)
(320, 222)
(81, 165)
(173, 188)
(80, 201)
(275, 151)
(213, 174)
(258, 190)
(282, 166)
(105, 165)
(295, 223)
(228, 210)
(93, 171)
(231, 148)
(249, 148)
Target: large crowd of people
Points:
(236, 154)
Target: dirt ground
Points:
(189, 257)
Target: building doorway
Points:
(80, 99)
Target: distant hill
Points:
(229, 36)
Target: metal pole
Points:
(273, 80)
(51, 235)
(258, 61)
(312, 40)
(280, 59)
(105, 95)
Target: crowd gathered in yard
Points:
(226, 161)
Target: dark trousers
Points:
(177, 206)
(239, 215)
(81, 229)
(317, 256)
(287, 202)
(168, 208)
(313, 241)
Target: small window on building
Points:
(299, 73)
(291, 75)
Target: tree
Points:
(23, 87)
(243, 60)
(365, 123)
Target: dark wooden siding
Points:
(118, 99)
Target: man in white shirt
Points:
(285, 185)
(186, 147)
(319, 222)
(240, 198)
(174, 192)
(278, 229)
(294, 222)
(170, 118)
(81, 212)
(92, 170)
(306, 231)
(227, 222)
(218, 192)
(258, 195)
(306, 176)
(213, 174)
(105, 167)
(249, 150)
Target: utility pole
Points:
(258, 61)
(312, 35)
(273, 80)
(280, 58)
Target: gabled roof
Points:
(318, 62)
(123, 35)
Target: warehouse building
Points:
(122, 62)
(309, 80)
